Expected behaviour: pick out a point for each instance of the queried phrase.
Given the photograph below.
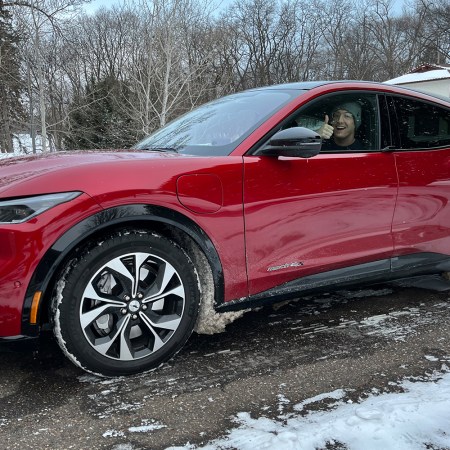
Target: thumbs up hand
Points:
(326, 130)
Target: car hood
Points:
(16, 170)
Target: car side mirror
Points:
(296, 142)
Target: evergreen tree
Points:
(11, 84)
(97, 119)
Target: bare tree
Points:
(163, 62)
(38, 19)
(259, 34)
(436, 31)
(394, 39)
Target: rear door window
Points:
(422, 125)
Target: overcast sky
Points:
(96, 4)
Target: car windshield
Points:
(218, 127)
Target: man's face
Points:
(343, 123)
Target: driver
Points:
(339, 133)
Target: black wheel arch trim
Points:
(114, 217)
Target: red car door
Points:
(308, 216)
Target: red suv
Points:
(259, 196)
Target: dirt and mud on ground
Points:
(361, 341)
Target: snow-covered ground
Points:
(23, 146)
(10, 155)
(417, 418)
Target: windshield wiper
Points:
(160, 149)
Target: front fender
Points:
(115, 217)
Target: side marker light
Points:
(35, 307)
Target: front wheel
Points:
(127, 304)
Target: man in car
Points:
(339, 133)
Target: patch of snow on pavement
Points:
(113, 433)
(147, 427)
(338, 394)
(389, 325)
(126, 446)
(415, 419)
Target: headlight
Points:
(22, 209)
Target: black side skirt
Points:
(402, 267)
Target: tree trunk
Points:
(6, 143)
(30, 99)
(42, 105)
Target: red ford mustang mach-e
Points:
(234, 204)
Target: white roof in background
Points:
(430, 75)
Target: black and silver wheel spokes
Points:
(132, 306)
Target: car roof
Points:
(308, 85)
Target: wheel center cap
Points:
(134, 306)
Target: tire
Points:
(127, 304)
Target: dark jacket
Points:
(329, 144)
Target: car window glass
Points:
(422, 125)
(216, 128)
(364, 106)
